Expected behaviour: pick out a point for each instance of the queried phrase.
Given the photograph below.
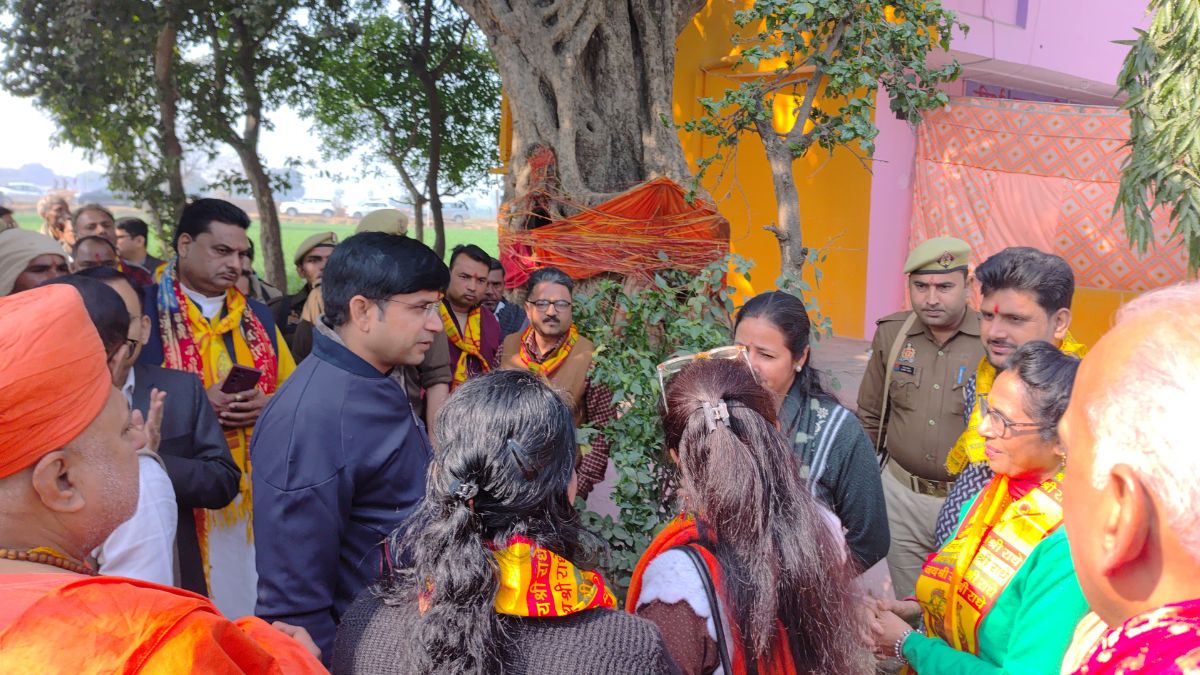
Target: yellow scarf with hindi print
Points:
(535, 581)
(961, 582)
(468, 342)
(968, 449)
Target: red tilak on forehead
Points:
(996, 308)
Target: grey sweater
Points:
(375, 638)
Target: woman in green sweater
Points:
(1001, 595)
(837, 460)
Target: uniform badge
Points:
(908, 354)
(946, 260)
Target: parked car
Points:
(363, 208)
(103, 197)
(308, 206)
(21, 192)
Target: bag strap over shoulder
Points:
(881, 452)
(713, 604)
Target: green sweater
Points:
(1028, 629)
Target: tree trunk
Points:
(437, 121)
(591, 80)
(168, 103)
(787, 231)
(270, 239)
(414, 193)
(270, 242)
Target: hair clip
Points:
(518, 453)
(715, 414)
(463, 491)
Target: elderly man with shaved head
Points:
(68, 478)
(1132, 490)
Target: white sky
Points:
(29, 132)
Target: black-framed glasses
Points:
(997, 418)
(429, 308)
(543, 305)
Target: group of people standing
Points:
(384, 467)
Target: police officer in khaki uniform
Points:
(913, 390)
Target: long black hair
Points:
(504, 460)
(787, 313)
(780, 559)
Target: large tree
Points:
(1163, 170)
(418, 89)
(829, 59)
(592, 82)
(241, 69)
(110, 86)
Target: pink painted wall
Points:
(1072, 37)
(1063, 44)
(891, 211)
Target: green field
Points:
(296, 231)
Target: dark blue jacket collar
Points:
(339, 355)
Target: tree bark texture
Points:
(270, 239)
(787, 229)
(592, 80)
(168, 105)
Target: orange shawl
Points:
(682, 531)
(66, 623)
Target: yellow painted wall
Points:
(834, 190)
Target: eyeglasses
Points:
(677, 363)
(543, 305)
(996, 418)
(429, 308)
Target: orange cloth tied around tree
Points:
(547, 367)
(468, 341)
(648, 228)
(53, 377)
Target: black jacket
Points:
(197, 458)
(339, 463)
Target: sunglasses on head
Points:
(677, 363)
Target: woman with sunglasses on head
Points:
(836, 457)
(495, 567)
(1001, 595)
(751, 576)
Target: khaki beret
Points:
(318, 239)
(938, 256)
(391, 221)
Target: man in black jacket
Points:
(192, 448)
(339, 458)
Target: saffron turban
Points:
(54, 378)
(18, 248)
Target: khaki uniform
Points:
(924, 419)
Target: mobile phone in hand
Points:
(240, 378)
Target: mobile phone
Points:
(240, 378)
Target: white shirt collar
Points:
(209, 307)
(127, 390)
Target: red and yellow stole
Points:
(194, 344)
(960, 583)
(468, 342)
(547, 367)
(685, 531)
(537, 582)
(968, 449)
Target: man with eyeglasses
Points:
(552, 347)
(1026, 296)
(339, 457)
